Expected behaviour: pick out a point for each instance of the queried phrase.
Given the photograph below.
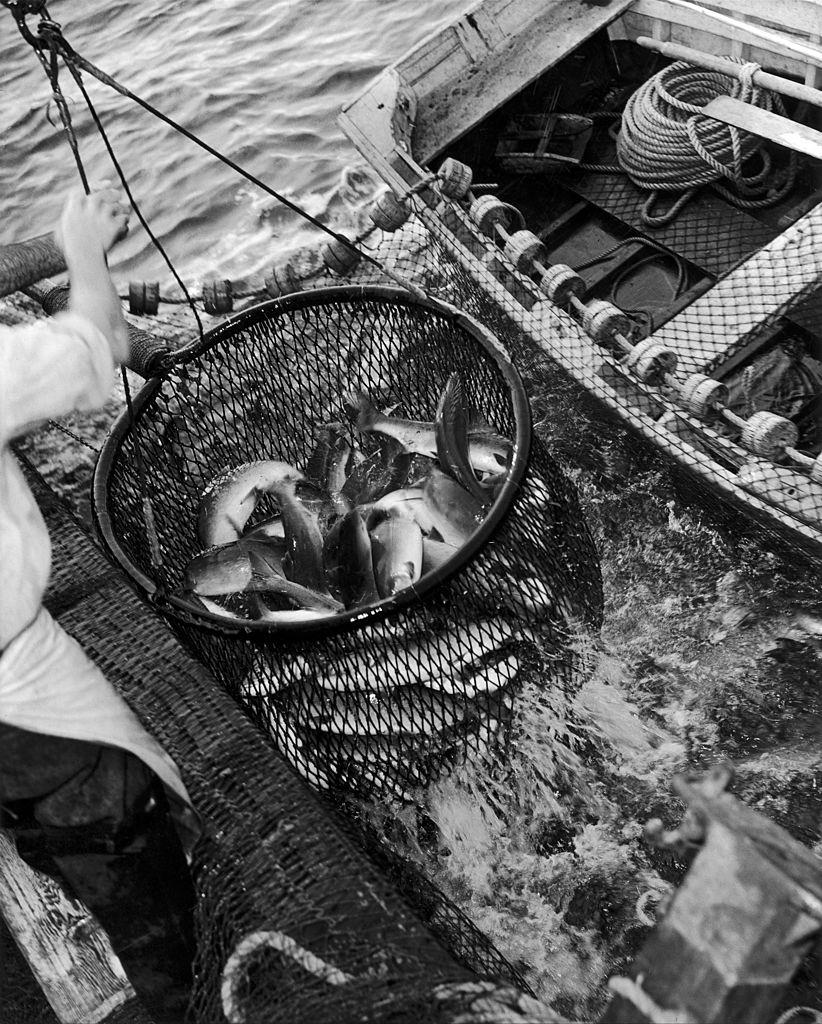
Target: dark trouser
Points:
(68, 782)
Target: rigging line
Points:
(135, 206)
(49, 34)
(51, 69)
(70, 56)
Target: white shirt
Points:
(47, 369)
(47, 682)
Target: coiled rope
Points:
(667, 144)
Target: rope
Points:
(75, 437)
(50, 38)
(677, 286)
(793, 1015)
(134, 204)
(74, 60)
(235, 969)
(667, 144)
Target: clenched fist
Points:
(92, 221)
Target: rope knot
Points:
(746, 73)
(50, 31)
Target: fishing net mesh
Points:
(381, 702)
(382, 707)
(374, 707)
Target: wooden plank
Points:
(458, 85)
(706, 30)
(766, 124)
(380, 120)
(743, 304)
(799, 16)
(69, 953)
(701, 18)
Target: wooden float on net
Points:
(455, 106)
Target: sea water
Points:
(262, 82)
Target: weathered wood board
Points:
(475, 65)
(69, 953)
(735, 33)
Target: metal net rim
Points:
(183, 611)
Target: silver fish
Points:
(285, 616)
(227, 569)
(217, 609)
(271, 529)
(328, 462)
(488, 451)
(303, 561)
(349, 572)
(232, 496)
(305, 597)
(435, 553)
(406, 503)
(451, 431)
(411, 710)
(428, 661)
(456, 514)
(490, 678)
(397, 554)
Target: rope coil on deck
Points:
(667, 144)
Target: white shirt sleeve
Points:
(48, 369)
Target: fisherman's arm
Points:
(52, 367)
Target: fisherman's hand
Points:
(89, 226)
(92, 222)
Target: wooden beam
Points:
(700, 18)
(766, 125)
(716, 33)
(776, 83)
(68, 951)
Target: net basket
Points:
(376, 699)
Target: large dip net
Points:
(378, 696)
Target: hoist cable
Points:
(49, 34)
(134, 204)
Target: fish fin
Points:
(359, 407)
(262, 568)
(316, 468)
